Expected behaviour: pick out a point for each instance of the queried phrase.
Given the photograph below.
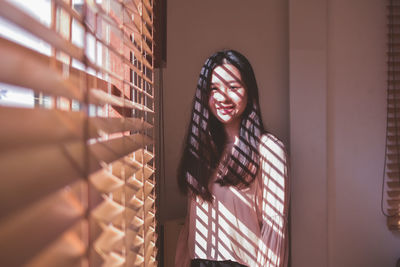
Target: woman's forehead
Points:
(226, 73)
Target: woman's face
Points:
(228, 96)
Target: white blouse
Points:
(247, 225)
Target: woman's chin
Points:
(225, 119)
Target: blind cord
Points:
(162, 136)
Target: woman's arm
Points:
(274, 203)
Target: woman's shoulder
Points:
(269, 143)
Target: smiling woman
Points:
(234, 172)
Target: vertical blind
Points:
(391, 186)
(77, 181)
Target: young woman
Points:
(235, 174)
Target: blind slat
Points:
(149, 246)
(133, 67)
(393, 157)
(105, 181)
(114, 125)
(107, 211)
(393, 148)
(136, 223)
(392, 166)
(113, 260)
(110, 20)
(136, 50)
(135, 8)
(394, 212)
(111, 150)
(140, 34)
(394, 193)
(143, 156)
(148, 187)
(149, 204)
(392, 110)
(100, 97)
(31, 25)
(146, 47)
(393, 175)
(24, 67)
(132, 214)
(58, 212)
(66, 7)
(56, 126)
(392, 138)
(148, 5)
(393, 222)
(64, 161)
(108, 239)
(138, 241)
(135, 202)
(149, 219)
(147, 18)
(147, 172)
(53, 126)
(65, 252)
(393, 203)
(125, 168)
(57, 166)
(135, 183)
(45, 127)
(393, 184)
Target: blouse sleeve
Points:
(273, 203)
(182, 258)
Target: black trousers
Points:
(210, 263)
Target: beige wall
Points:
(324, 91)
(308, 131)
(356, 123)
(337, 122)
(195, 30)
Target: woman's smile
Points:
(226, 110)
(228, 96)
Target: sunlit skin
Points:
(228, 98)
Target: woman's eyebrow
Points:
(233, 81)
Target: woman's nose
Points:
(220, 96)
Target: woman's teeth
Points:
(226, 110)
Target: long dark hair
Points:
(206, 137)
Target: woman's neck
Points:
(232, 131)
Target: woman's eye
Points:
(234, 87)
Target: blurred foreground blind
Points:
(76, 140)
(391, 186)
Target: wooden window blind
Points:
(77, 166)
(391, 186)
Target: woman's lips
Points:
(226, 110)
